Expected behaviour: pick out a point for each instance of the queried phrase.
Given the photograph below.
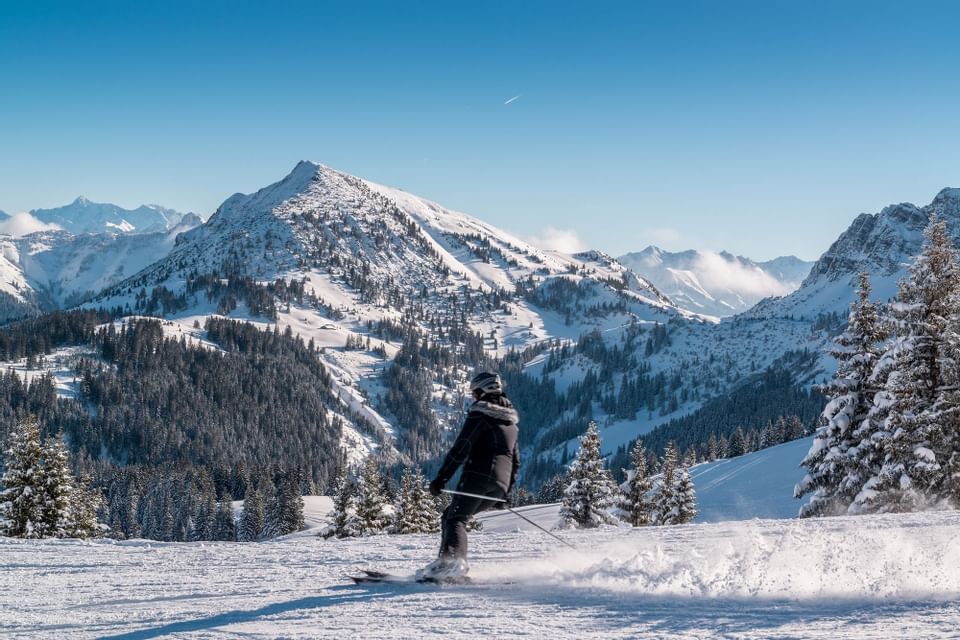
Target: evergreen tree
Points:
(552, 489)
(416, 510)
(922, 418)
(251, 519)
(835, 474)
(58, 491)
(684, 498)
(591, 492)
(665, 487)
(371, 517)
(22, 499)
(344, 523)
(86, 504)
(713, 448)
(738, 443)
(225, 526)
(636, 502)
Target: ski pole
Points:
(516, 513)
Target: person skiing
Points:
(487, 449)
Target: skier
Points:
(487, 449)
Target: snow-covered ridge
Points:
(717, 284)
(84, 216)
(880, 244)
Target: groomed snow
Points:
(865, 577)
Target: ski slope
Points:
(864, 577)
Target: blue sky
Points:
(758, 127)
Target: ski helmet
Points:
(486, 382)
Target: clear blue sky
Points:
(759, 127)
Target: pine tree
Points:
(666, 486)
(58, 490)
(636, 502)
(835, 473)
(284, 514)
(251, 519)
(591, 492)
(552, 489)
(371, 517)
(344, 523)
(225, 526)
(738, 443)
(713, 448)
(83, 522)
(922, 418)
(684, 498)
(403, 510)
(22, 498)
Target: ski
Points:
(379, 577)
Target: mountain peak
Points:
(81, 201)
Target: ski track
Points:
(866, 577)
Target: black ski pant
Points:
(453, 541)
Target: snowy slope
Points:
(863, 577)
(53, 269)
(84, 216)
(716, 284)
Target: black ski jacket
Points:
(486, 447)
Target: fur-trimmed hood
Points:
(503, 412)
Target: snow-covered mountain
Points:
(371, 257)
(84, 216)
(56, 269)
(716, 284)
(881, 244)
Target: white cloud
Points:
(716, 272)
(20, 224)
(563, 240)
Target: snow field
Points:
(869, 576)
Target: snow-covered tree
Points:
(251, 518)
(684, 498)
(738, 443)
(284, 514)
(416, 511)
(58, 490)
(225, 526)
(835, 463)
(371, 514)
(552, 489)
(22, 509)
(344, 523)
(636, 502)
(922, 418)
(591, 492)
(665, 487)
(86, 504)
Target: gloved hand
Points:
(436, 487)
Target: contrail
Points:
(511, 99)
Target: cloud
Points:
(20, 224)
(717, 272)
(514, 98)
(563, 240)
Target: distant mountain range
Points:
(91, 246)
(84, 216)
(402, 298)
(716, 284)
